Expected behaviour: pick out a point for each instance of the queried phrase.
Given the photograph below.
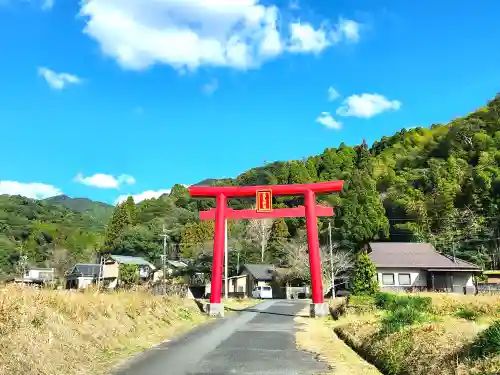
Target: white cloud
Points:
(348, 30)
(367, 105)
(210, 87)
(58, 81)
(305, 39)
(150, 194)
(33, 190)
(187, 34)
(326, 119)
(332, 94)
(105, 181)
(47, 4)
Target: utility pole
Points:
(101, 266)
(164, 258)
(331, 258)
(225, 261)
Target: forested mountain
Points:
(99, 210)
(439, 184)
(45, 233)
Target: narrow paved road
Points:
(258, 341)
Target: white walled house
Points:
(403, 266)
(38, 276)
(81, 276)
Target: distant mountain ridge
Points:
(215, 182)
(99, 210)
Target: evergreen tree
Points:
(118, 223)
(299, 173)
(312, 169)
(131, 209)
(361, 215)
(363, 280)
(196, 236)
(277, 241)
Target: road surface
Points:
(258, 341)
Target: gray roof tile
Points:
(86, 270)
(263, 272)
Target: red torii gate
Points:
(264, 210)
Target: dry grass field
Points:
(426, 334)
(46, 332)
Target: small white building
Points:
(404, 266)
(37, 275)
(83, 275)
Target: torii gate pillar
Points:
(264, 210)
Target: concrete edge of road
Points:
(205, 329)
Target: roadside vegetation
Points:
(48, 332)
(424, 334)
(316, 336)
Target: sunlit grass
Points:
(47, 332)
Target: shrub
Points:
(467, 313)
(128, 274)
(487, 342)
(390, 301)
(364, 280)
(384, 300)
(402, 317)
(361, 304)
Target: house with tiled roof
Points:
(419, 266)
(82, 275)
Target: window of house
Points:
(388, 278)
(404, 279)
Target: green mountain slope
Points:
(98, 210)
(47, 234)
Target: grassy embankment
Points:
(316, 336)
(427, 334)
(46, 332)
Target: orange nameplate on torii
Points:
(264, 200)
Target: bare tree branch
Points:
(332, 266)
(260, 231)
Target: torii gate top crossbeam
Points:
(229, 213)
(250, 191)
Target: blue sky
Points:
(104, 98)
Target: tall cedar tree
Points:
(277, 241)
(363, 280)
(361, 216)
(131, 209)
(117, 226)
